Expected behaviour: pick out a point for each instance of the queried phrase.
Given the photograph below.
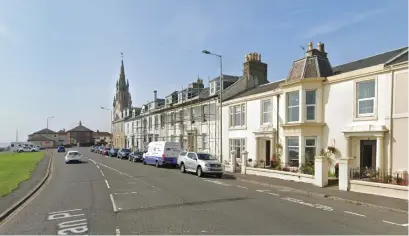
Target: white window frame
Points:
(311, 105)
(241, 147)
(263, 112)
(310, 146)
(212, 88)
(232, 115)
(288, 146)
(288, 106)
(365, 99)
(217, 85)
(204, 142)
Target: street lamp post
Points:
(220, 99)
(103, 108)
(48, 119)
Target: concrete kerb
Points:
(326, 196)
(16, 205)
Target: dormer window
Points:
(214, 87)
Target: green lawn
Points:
(15, 168)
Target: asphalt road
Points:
(112, 196)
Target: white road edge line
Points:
(242, 187)
(353, 213)
(392, 223)
(117, 231)
(102, 173)
(56, 212)
(106, 181)
(113, 202)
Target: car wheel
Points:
(182, 168)
(157, 164)
(219, 176)
(67, 162)
(199, 172)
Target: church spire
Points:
(122, 81)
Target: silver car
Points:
(200, 163)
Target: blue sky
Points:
(62, 58)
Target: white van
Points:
(162, 153)
(14, 146)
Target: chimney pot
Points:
(155, 95)
(310, 46)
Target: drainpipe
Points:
(390, 152)
(278, 121)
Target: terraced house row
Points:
(356, 112)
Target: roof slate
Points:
(45, 131)
(39, 138)
(80, 128)
(368, 62)
(259, 89)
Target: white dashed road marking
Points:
(102, 173)
(117, 231)
(113, 202)
(98, 166)
(262, 191)
(392, 223)
(318, 206)
(56, 212)
(106, 181)
(218, 182)
(353, 213)
(242, 187)
(275, 194)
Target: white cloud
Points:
(333, 26)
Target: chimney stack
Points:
(310, 46)
(155, 95)
(320, 47)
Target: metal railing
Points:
(374, 175)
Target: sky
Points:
(62, 58)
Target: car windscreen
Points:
(73, 154)
(106, 149)
(126, 150)
(205, 157)
(139, 153)
(115, 149)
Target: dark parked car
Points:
(60, 149)
(113, 152)
(124, 153)
(136, 156)
(100, 149)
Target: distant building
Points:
(62, 138)
(99, 136)
(80, 135)
(44, 138)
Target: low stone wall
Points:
(228, 168)
(298, 177)
(387, 190)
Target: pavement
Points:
(111, 196)
(27, 186)
(332, 192)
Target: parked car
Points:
(26, 149)
(123, 153)
(92, 148)
(100, 149)
(136, 156)
(200, 163)
(73, 156)
(113, 152)
(60, 149)
(105, 151)
(162, 153)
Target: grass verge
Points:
(16, 168)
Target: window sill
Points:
(366, 118)
(238, 128)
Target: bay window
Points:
(366, 98)
(237, 116)
(310, 103)
(267, 110)
(293, 106)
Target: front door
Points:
(191, 142)
(368, 153)
(268, 152)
